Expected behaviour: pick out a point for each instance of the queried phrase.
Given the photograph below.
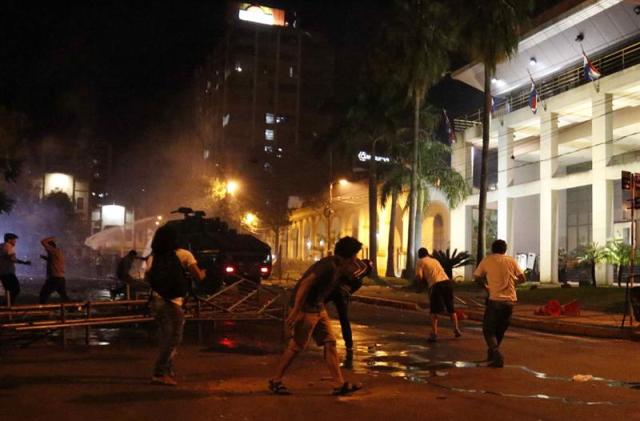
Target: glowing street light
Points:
(343, 181)
(232, 187)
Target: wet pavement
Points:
(223, 375)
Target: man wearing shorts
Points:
(499, 274)
(430, 270)
(308, 316)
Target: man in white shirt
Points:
(8, 262)
(499, 274)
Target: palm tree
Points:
(418, 41)
(491, 33)
(434, 171)
(618, 253)
(590, 255)
(370, 122)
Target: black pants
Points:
(11, 286)
(497, 316)
(342, 301)
(51, 285)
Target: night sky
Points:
(115, 69)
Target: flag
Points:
(591, 72)
(533, 97)
(451, 134)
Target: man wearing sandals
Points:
(308, 316)
(430, 270)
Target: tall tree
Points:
(491, 31)
(434, 172)
(369, 124)
(12, 127)
(418, 39)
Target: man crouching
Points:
(308, 316)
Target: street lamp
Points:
(232, 187)
(329, 210)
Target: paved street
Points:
(404, 377)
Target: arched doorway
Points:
(439, 235)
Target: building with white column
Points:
(555, 184)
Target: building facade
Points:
(260, 99)
(558, 166)
(308, 238)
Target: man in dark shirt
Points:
(341, 298)
(308, 317)
(123, 274)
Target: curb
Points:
(546, 325)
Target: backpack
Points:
(167, 277)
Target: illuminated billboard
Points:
(58, 183)
(261, 14)
(113, 215)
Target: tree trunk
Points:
(620, 273)
(484, 182)
(391, 248)
(593, 273)
(418, 224)
(373, 212)
(413, 206)
(276, 231)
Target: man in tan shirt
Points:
(55, 281)
(430, 270)
(499, 274)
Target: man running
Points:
(499, 274)
(55, 281)
(430, 270)
(308, 316)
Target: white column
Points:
(505, 179)
(460, 221)
(548, 259)
(602, 189)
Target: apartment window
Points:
(268, 149)
(578, 217)
(269, 118)
(269, 134)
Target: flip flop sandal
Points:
(346, 389)
(277, 388)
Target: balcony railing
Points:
(555, 84)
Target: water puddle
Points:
(418, 364)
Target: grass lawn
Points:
(606, 299)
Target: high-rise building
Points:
(260, 97)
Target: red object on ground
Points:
(572, 308)
(461, 315)
(552, 308)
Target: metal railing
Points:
(555, 84)
(241, 300)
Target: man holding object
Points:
(308, 316)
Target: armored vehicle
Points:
(225, 254)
